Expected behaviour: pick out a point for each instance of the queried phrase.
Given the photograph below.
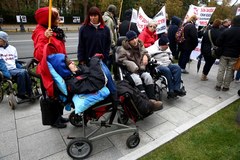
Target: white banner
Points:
(134, 16)
(203, 14)
(142, 19)
(238, 11)
(160, 18)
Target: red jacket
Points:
(147, 37)
(56, 46)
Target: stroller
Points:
(101, 114)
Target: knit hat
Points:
(4, 36)
(163, 40)
(41, 15)
(130, 35)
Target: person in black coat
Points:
(126, 25)
(173, 28)
(189, 44)
(206, 47)
(229, 41)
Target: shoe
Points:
(156, 105)
(172, 95)
(204, 77)
(184, 71)
(22, 96)
(64, 120)
(59, 125)
(225, 89)
(237, 81)
(180, 93)
(218, 88)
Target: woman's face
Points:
(94, 18)
(152, 27)
(57, 21)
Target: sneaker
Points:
(204, 78)
(64, 120)
(156, 105)
(184, 71)
(218, 88)
(225, 89)
(237, 81)
(59, 125)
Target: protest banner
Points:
(134, 16)
(203, 13)
(160, 18)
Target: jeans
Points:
(139, 79)
(24, 84)
(173, 75)
(237, 75)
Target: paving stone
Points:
(176, 116)
(150, 122)
(206, 100)
(108, 154)
(58, 156)
(27, 109)
(14, 156)
(8, 143)
(41, 145)
(7, 119)
(198, 110)
(161, 130)
(30, 125)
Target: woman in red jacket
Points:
(40, 37)
(148, 36)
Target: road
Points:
(24, 44)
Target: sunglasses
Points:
(153, 27)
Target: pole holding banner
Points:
(120, 9)
(50, 16)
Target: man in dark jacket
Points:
(175, 23)
(189, 44)
(126, 25)
(229, 40)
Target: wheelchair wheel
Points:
(12, 101)
(122, 117)
(75, 119)
(239, 92)
(1, 94)
(79, 148)
(158, 92)
(133, 140)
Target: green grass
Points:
(216, 138)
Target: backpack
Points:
(179, 36)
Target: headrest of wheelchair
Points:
(120, 39)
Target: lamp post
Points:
(22, 29)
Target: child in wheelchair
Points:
(12, 70)
(162, 57)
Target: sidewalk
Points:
(23, 137)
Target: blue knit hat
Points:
(131, 35)
(163, 40)
(4, 36)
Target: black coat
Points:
(206, 44)
(125, 26)
(191, 37)
(229, 40)
(175, 23)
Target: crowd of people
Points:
(98, 35)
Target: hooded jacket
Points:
(132, 57)
(175, 23)
(147, 37)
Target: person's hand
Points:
(81, 63)
(48, 33)
(145, 60)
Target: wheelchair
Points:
(8, 87)
(160, 81)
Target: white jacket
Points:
(163, 57)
